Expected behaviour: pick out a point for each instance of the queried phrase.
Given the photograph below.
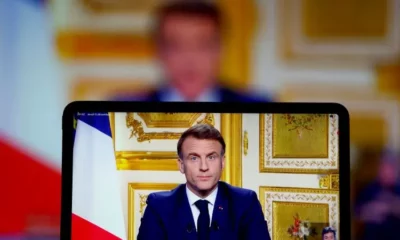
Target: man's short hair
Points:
(328, 230)
(189, 8)
(201, 132)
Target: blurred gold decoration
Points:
(300, 136)
(379, 103)
(120, 6)
(94, 89)
(319, 206)
(330, 181)
(245, 143)
(388, 77)
(313, 30)
(159, 120)
(344, 18)
(91, 45)
(133, 188)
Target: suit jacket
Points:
(225, 95)
(237, 215)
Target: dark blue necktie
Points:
(203, 222)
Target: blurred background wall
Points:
(54, 52)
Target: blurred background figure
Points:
(377, 206)
(54, 52)
(188, 37)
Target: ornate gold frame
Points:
(301, 195)
(131, 200)
(264, 169)
(231, 130)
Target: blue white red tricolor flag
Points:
(96, 206)
(31, 105)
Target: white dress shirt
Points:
(193, 198)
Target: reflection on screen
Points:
(289, 160)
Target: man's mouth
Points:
(204, 177)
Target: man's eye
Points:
(212, 157)
(193, 158)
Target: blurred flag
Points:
(96, 205)
(31, 103)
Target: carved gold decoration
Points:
(269, 163)
(159, 120)
(279, 203)
(300, 135)
(330, 181)
(301, 122)
(245, 143)
(231, 125)
(309, 141)
(134, 192)
(143, 199)
(168, 120)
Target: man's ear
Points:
(181, 165)
(223, 161)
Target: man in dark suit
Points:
(188, 40)
(204, 207)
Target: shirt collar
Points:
(172, 95)
(194, 198)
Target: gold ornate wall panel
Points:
(352, 31)
(148, 141)
(137, 196)
(285, 208)
(299, 143)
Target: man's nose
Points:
(203, 165)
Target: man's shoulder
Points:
(237, 192)
(231, 95)
(145, 96)
(164, 197)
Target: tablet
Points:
(133, 170)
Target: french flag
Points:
(96, 204)
(32, 98)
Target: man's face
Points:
(202, 164)
(189, 52)
(329, 236)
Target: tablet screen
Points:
(141, 174)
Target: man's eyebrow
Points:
(212, 153)
(193, 154)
